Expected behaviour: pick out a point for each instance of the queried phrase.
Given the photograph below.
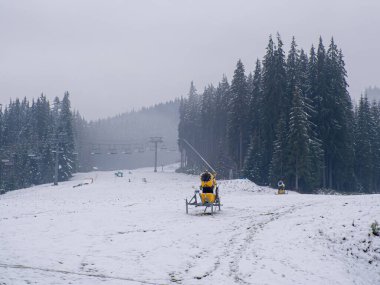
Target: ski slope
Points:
(118, 232)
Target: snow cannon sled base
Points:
(207, 200)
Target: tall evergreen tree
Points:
(275, 102)
(223, 161)
(253, 164)
(65, 138)
(299, 141)
(237, 129)
(375, 114)
(364, 148)
(277, 168)
(338, 117)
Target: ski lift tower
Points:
(58, 141)
(156, 141)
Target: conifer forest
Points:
(290, 119)
(32, 135)
(45, 142)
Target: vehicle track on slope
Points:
(251, 231)
(243, 235)
(66, 272)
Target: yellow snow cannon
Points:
(207, 195)
(208, 184)
(281, 188)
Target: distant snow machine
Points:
(208, 194)
(281, 188)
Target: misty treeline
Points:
(32, 132)
(116, 140)
(30, 135)
(291, 119)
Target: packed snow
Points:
(134, 230)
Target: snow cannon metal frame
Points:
(196, 201)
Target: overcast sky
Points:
(115, 55)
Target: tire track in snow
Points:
(236, 248)
(102, 276)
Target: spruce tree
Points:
(375, 114)
(254, 159)
(66, 141)
(337, 121)
(237, 125)
(223, 161)
(275, 102)
(299, 142)
(363, 146)
(277, 168)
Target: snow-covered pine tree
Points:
(253, 163)
(207, 143)
(319, 91)
(375, 111)
(274, 99)
(45, 126)
(277, 168)
(1, 147)
(237, 125)
(305, 87)
(299, 142)
(67, 146)
(181, 131)
(255, 102)
(292, 75)
(337, 121)
(192, 126)
(364, 152)
(223, 163)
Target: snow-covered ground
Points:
(134, 230)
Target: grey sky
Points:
(115, 55)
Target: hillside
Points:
(134, 230)
(129, 133)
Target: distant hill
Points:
(373, 93)
(123, 141)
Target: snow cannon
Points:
(208, 194)
(208, 184)
(281, 188)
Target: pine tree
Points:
(208, 142)
(309, 87)
(275, 103)
(299, 141)
(292, 72)
(192, 126)
(237, 129)
(375, 114)
(337, 120)
(1, 147)
(277, 168)
(65, 128)
(255, 101)
(223, 163)
(254, 159)
(363, 146)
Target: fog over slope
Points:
(123, 141)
